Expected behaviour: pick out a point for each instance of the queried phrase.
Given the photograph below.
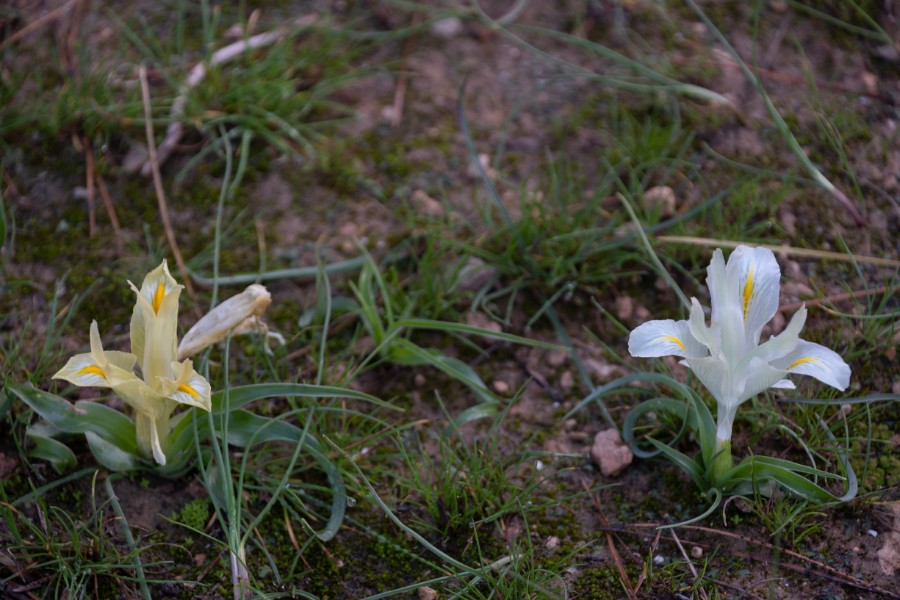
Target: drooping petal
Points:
(154, 323)
(83, 370)
(189, 387)
(759, 279)
(816, 361)
(156, 444)
(665, 338)
(150, 437)
(785, 342)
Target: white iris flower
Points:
(165, 383)
(726, 355)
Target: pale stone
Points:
(427, 593)
(611, 453)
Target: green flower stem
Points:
(722, 461)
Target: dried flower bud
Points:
(239, 313)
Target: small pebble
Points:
(659, 559)
(697, 552)
(556, 358)
(427, 593)
(872, 532)
(447, 28)
(552, 542)
(500, 386)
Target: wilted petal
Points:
(759, 278)
(215, 325)
(664, 338)
(149, 438)
(816, 361)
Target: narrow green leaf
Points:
(683, 461)
(682, 409)
(55, 452)
(111, 456)
(445, 326)
(84, 416)
(245, 428)
(483, 410)
(240, 396)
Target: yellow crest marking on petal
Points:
(92, 370)
(186, 388)
(672, 338)
(158, 296)
(800, 361)
(748, 292)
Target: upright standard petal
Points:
(759, 280)
(727, 312)
(665, 338)
(154, 323)
(816, 361)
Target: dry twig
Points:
(158, 186)
(198, 73)
(38, 23)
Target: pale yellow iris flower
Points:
(164, 383)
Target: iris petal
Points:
(785, 342)
(759, 280)
(816, 361)
(664, 338)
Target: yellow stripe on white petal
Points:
(158, 284)
(83, 370)
(665, 338)
(189, 387)
(816, 361)
(154, 322)
(760, 279)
